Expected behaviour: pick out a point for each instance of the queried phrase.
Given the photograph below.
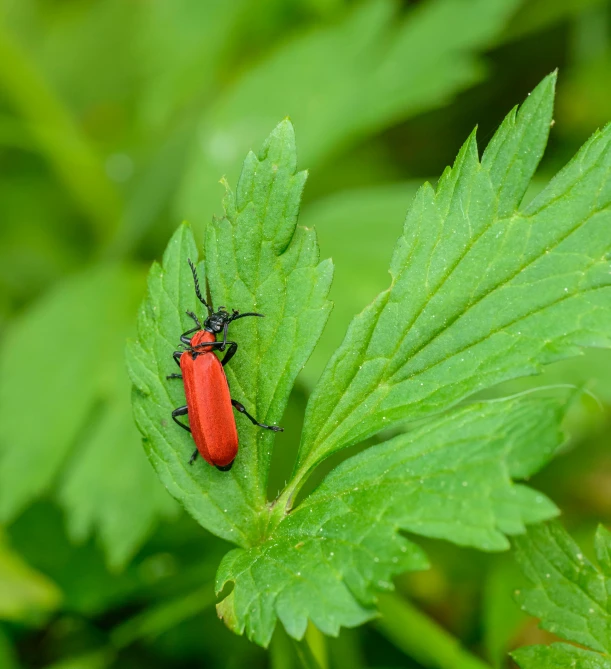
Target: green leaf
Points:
(174, 76)
(25, 594)
(559, 655)
(536, 15)
(569, 595)
(481, 291)
(257, 260)
(450, 479)
(343, 81)
(57, 135)
(70, 397)
(110, 488)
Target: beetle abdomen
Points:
(211, 417)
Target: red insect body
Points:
(209, 403)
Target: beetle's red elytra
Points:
(209, 404)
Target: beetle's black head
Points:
(217, 320)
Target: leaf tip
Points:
(545, 91)
(281, 146)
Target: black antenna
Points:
(197, 290)
(235, 316)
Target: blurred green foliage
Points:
(117, 119)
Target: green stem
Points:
(284, 502)
(281, 653)
(317, 643)
(58, 136)
(305, 654)
(421, 638)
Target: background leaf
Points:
(342, 81)
(25, 594)
(77, 332)
(357, 228)
(112, 505)
(570, 596)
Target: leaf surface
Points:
(481, 291)
(570, 595)
(450, 479)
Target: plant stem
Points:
(418, 636)
(284, 502)
(305, 654)
(317, 642)
(281, 652)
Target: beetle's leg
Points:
(177, 355)
(233, 347)
(231, 351)
(181, 411)
(184, 339)
(254, 421)
(225, 328)
(208, 344)
(174, 376)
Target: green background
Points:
(117, 120)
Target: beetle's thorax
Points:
(202, 337)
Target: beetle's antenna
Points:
(197, 290)
(235, 317)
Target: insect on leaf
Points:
(257, 260)
(481, 291)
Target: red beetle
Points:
(209, 403)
